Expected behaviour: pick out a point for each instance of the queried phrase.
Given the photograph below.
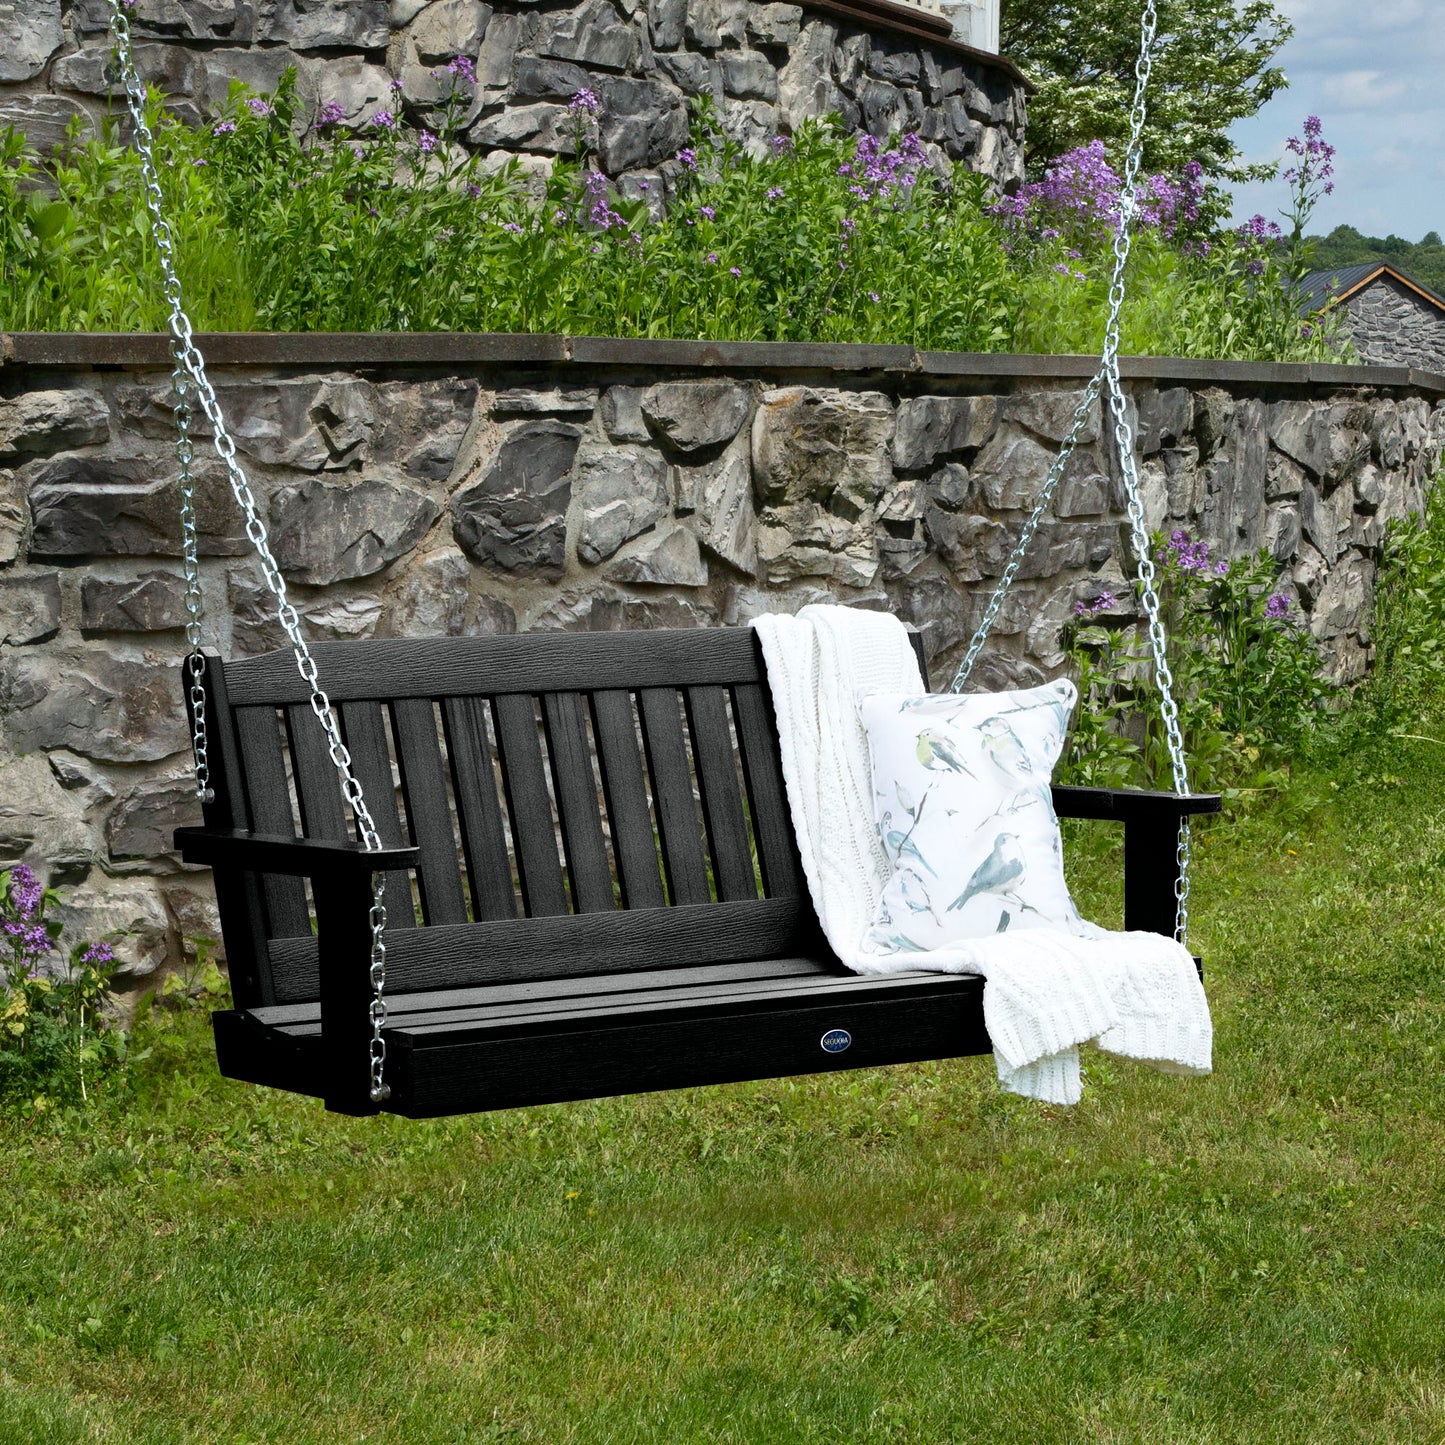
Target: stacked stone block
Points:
(765, 67)
(1392, 325)
(414, 501)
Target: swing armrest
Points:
(1132, 805)
(296, 857)
(1151, 835)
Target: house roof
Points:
(1327, 288)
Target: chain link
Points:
(195, 661)
(189, 381)
(1107, 381)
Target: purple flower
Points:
(1311, 177)
(257, 106)
(775, 193)
(707, 213)
(1101, 603)
(331, 113)
(782, 144)
(585, 102)
(473, 190)
(513, 227)
(712, 258)
(426, 142)
(884, 176)
(874, 297)
(98, 953)
(1080, 197)
(1187, 555)
(688, 157)
(1277, 607)
(463, 68)
(26, 892)
(1259, 231)
(224, 127)
(197, 161)
(599, 211)
(395, 86)
(1221, 569)
(384, 120)
(733, 271)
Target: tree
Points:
(1345, 246)
(1211, 68)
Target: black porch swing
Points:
(677, 947)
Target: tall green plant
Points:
(1247, 673)
(55, 1038)
(1406, 689)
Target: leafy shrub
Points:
(163, 1027)
(284, 222)
(1407, 683)
(1191, 292)
(54, 1033)
(1247, 677)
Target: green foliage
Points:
(56, 1041)
(83, 260)
(1229, 302)
(1407, 683)
(1345, 246)
(160, 1028)
(283, 225)
(1247, 678)
(1211, 69)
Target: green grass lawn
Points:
(901, 1255)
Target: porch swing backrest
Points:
(576, 799)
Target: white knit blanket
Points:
(1045, 992)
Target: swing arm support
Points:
(342, 879)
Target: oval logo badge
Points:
(836, 1040)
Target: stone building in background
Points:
(881, 66)
(1391, 319)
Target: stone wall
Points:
(426, 485)
(1392, 325)
(766, 66)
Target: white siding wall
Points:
(975, 22)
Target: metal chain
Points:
(1107, 380)
(195, 661)
(190, 377)
(1026, 536)
(1124, 441)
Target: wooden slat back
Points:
(429, 810)
(722, 800)
(624, 785)
(474, 781)
(578, 803)
(540, 778)
(363, 727)
(268, 800)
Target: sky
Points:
(1374, 73)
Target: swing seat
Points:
(608, 897)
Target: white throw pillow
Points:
(961, 798)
